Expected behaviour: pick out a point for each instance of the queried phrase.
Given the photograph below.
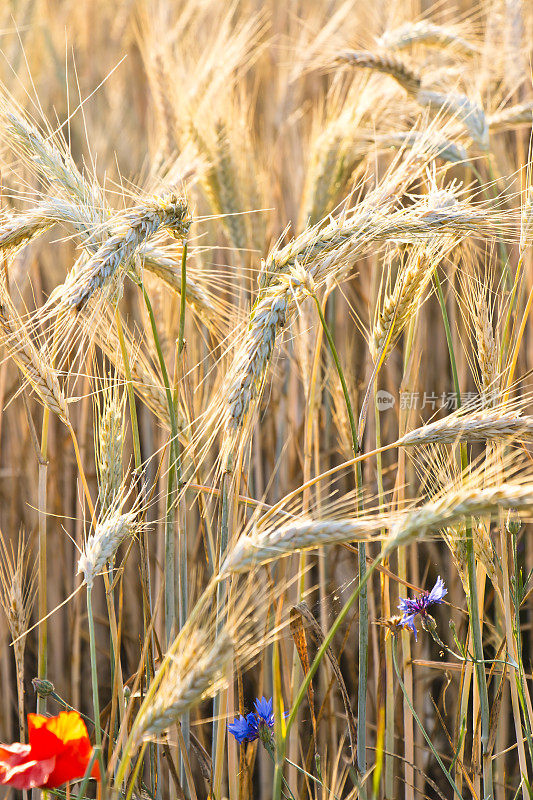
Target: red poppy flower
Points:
(59, 751)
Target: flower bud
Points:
(513, 522)
(43, 687)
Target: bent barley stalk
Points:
(135, 228)
(383, 62)
(427, 33)
(191, 676)
(481, 426)
(325, 250)
(404, 527)
(84, 208)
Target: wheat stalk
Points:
(526, 219)
(461, 107)
(269, 314)
(326, 252)
(302, 534)
(86, 210)
(453, 104)
(399, 306)
(383, 62)
(17, 596)
(194, 672)
(108, 444)
(487, 350)
(443, 147)
(457, 504)
(104, 542)
(35, 365)
(424, 32)
(146, 382)
(322, 248)
(129, 234)
(49, 156)
(162, 264)
(17, 584)
(520, 114)
(481, 426)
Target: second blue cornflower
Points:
(418, 606)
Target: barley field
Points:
(266, 399)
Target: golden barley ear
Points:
(109, 429)
(18, 590)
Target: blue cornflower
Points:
(256, 723)
(241, 728)
(419, 605)
(265, 711)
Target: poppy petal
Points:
(59, 751)
(64, 736)
(22, 773)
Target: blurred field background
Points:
(352, 182)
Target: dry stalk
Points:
(526, 219)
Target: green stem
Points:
(385, 692)
(361, 556)
(183, 297)
(182, 531)
(136, 771)
(131, 393)
(270, 750)
(96, 756)
(520, 677)
(418, 722)
(353, 428)
(449, 340)
(143, 545)
(504, 345)
(493, 196)
(94, 670)
(42, 665)
(302, 691)
(473, 603)
(172, 608)
(170, 578)
(218, 724)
